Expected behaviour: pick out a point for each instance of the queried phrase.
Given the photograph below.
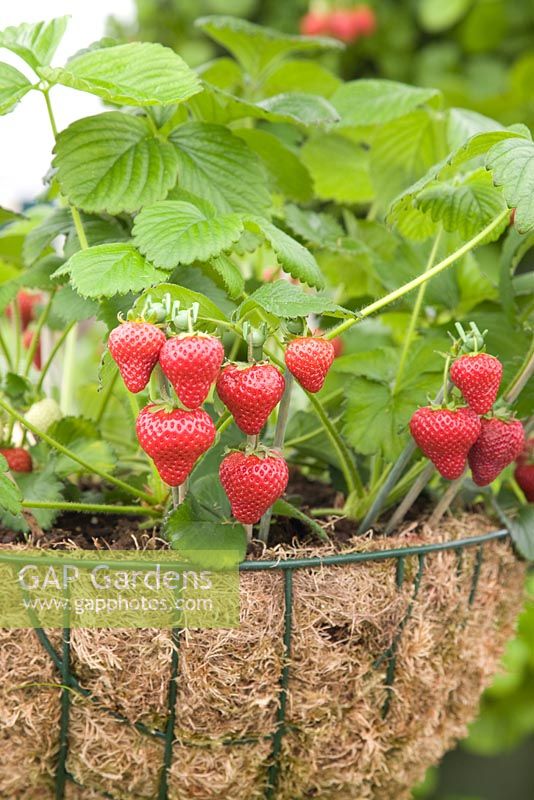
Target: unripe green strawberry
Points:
(44, 413)
(478, 377)
(500, 442)
(174, 439)
(135, 346)
(253, 483)
(445, 436)
(250, 394)
(18, 459)
(192, 363)
(309, 359)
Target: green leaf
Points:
(219, 167)
(13, 86)
(229, 274)
(404, 150)
(186, 298)
(284, 509)
(256, 47)
(172, 232)
(135, 74)
(42, 486)
(375, 419)
(465, 205)
(7, 215)
(283, 299)
(339, 168)
(296, 108)
(288, 175)
(217, 545)
(294, 258)
(300, 76)
(512, 165)
(375, 102)
(522, 531)
(463, 124)
(113, 162)
(436, 16)
(58, 222)
(317, 228)
(36, 42)
(81, 436)
(69, 306)
(109, 269)
(479, 144)
(10, 496)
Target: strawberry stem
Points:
(278, 444)
(423, 278)
(94, 508)
(446, 383)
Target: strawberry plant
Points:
(213, 239)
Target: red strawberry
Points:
(192, 363)
(174, 439)
(27, 340)
(253, 483)
(314, 24)
(499, 443)
(344, 25)
(478, 377)
(309, 359)
(445, 437)
(26, 303)
(524, 475)
(250, 393)
(337, 343)
(18, 459)
(135, 346)
(364, 20)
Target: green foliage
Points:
(10, 496)
(35, 43)
(13, 86)
(125, 165)
(110, 269)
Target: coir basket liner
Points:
(387, 661)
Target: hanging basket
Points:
(351, 673)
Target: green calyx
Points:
(471, 342)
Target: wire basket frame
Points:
(70, 682)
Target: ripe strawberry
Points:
(499, 443)
(250, 393)
(337, 343)
(27, 340)
(314, 24)
(18, 459)
(26, 302)
(445, 436)
(309, 360)
(478, 377)
(135, 346)
(174, 439)
(253, 483)
(364, 20)
(344, 25)
(192, 363)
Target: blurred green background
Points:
(480, 53)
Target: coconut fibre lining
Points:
(347, 622)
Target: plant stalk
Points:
(410, 498)
(278, 444)
(52, 355)
(423, 278)
(89, 508)
(70, 454)
(415, 314)
(41, 322)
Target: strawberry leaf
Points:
(136, 74)
(339, 168)
(113, 162)
(522, 531)
(109, 269)
(220, 168)
(375, 102)
(282, 299)
(35, 42)
(173, 232)
(293, 257)
(13, 86)
(512, 165)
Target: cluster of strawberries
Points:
(176, 437)
(452, 437)
(346, 24)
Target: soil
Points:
(114, 532)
